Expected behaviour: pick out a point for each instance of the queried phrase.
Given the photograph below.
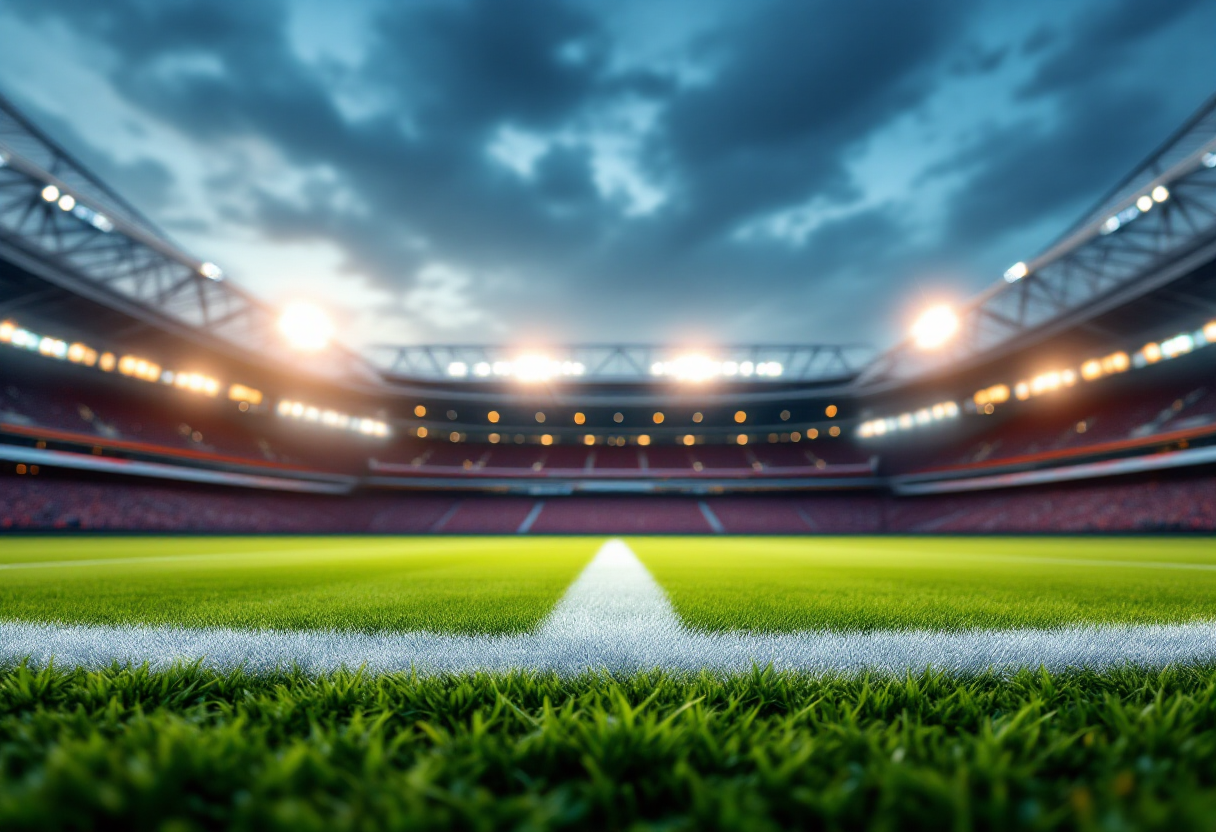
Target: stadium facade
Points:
(140, 389)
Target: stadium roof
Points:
(1156, 226)
(63, 225)
(67, 229)
(811, 363)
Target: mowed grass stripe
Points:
(72, 548)
(870, 584)
(450, 585)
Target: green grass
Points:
(467, 585)
(784, 584)
(191, 749)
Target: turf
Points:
(786, 584)
(461, 585)
(189, 749)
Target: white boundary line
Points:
(613, 617)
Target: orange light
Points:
(741, 439)
(241, 393)
(834, 430)
(546, 439)
(493, 417)
(588, 439)
(420, 411)
(658, 418)
(690, 439)
(740, 417)
(643, 439)
(831, 411)
(579, 418)
(422, 433)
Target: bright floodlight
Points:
(1016, 272)
(935, 327)
(305, 327)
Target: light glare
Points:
(935, 327)
(306, 327)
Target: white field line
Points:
(613, 617)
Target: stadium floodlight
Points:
(306, 327)
(935, 327)
(211, 271)
(534, 368)
(1209, 159)
(458, 369)
(50, 193)
(1160, 193)
(1016, 272)
(692, 367)
(1144, 203)
(67, 202)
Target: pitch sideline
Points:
(613, 617)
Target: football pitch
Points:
(665, 682)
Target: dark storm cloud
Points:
(751, 116)
(1057, 166)
(1099, 42)
(802, 84)
(1032, 170)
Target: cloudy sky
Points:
(530, 171)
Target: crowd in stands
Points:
(1183, 503)
(123, 417)
(781, 458)
(1165, 502)
(1052, 429)
(48, 503)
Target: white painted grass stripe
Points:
(614, 617)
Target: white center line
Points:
(613, 617)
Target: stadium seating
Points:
(1144, 503)
(621, 515)
(479, 515)
(1068, 428)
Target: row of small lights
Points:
(131, 366)
(1096, 368)
(525, 368)
(909, 420)
(684, 368)
(700, 368)
(70, 204)
(658, 417)
(1143, 204)
(986, 400)
(641, 439)
(332, 419)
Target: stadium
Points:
(255, 578)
